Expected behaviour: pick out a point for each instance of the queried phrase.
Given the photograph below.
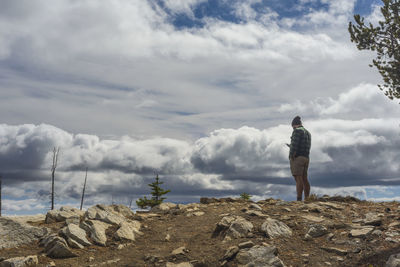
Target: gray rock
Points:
(182, 264)
(196, 214)
(20, 262)
(247, 244)
(337, 251)
(233, 227)
(240, 227)
(96, 231)
(74, 244)
(63, 214)
(372, 219)
(255, 213)
(167, 237)
(329, 237)
(331, 205)
(255, 206)
(75, 233)
(164, 207)
(377, 233)
(60, 250)
(274, 228)
(312, 218)
(113, 262)
(317, 230)
(73, 220)
(104, 213)
(49, 240)
(127, 230)
(123, 211)
(393, 261)
(259, 256)
(230, 253)
(179, 251)
(362, 232)
(14, 233)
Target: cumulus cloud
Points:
(345, 153)
(126, 64)
(125, 92)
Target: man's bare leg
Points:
(306, 186)
(299, 186)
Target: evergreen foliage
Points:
(245, 196)
(385, 40)
(157, 192)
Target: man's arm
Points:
(295, 142)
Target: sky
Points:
(202, 92)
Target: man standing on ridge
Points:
(299, 157)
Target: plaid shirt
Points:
(300, 143)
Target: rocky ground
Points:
(327, 231)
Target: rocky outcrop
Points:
(316, 230)
(164, 207)
(338, 234)
(233, 227)
(20, 261)
(56, 247)
(14, 233)
(393, 261)
(105, 214)
(259, 256)
(127, 230)
(75, 236)
(63, 214)
(274, 228)
(93, 224)
(96, 231)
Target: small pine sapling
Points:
(245, 196)
(157, 192)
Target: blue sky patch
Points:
(226, 10)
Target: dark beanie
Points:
(296, 121)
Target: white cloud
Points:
(113, 69)
(22, 205)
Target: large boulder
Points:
(240, 227)
(113, 214)
(14, 233)
(123, 210)
(164, 207)
(63, 214)
(56, 247)
(20, 262)
(317, 230)
(274, 228)
(96, 231)
(76, 236)
(393, 261)
(127, 230)
(233, 227)
(372, 219)
(259, 256)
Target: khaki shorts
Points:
(299, 166)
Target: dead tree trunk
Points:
(0, 196)
(84, 187)
(130, 203)
(56, 151)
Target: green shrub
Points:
(245, 196)
(157, 192)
